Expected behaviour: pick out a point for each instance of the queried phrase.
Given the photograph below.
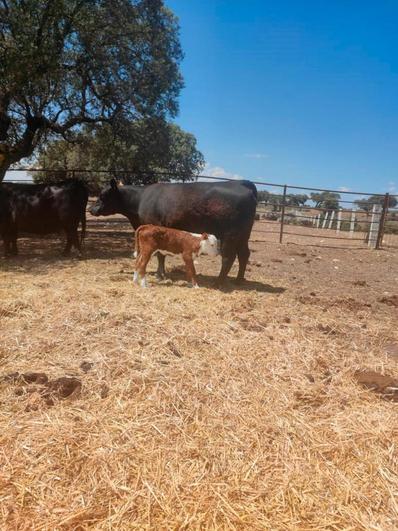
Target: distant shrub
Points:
(391, 227)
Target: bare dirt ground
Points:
(268, 406)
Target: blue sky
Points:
(302, 92)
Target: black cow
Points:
(226, 209)
(42, 209)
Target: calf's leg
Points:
(144, 258)
(190, 269)
(161, 271)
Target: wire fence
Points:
(320, 216)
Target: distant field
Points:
(234, 409)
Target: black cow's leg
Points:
(228, 253)
(161, 272)
(10, 242)
(76, 242)
(13, 247)
(72, 240)
(7, 247)
(243, 257)
(68, 245)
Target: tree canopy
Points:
(366, 203)
(276, 200)
(69, 63)
(326, 200)
(379, 200)
(146, 152)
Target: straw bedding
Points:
(238, 409)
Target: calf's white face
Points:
(209, 246)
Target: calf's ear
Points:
(113, 184)
(205, 236)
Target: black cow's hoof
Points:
(239, 280)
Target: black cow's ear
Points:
(113, 184)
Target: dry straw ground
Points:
(202, 409)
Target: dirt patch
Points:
(40, 385)
(64, 387)
(391, 300)
(361, 283)
(86, 366)
(349, 303)
(384, 385)
(27, 377)
(391, 349)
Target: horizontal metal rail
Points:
(171, 174)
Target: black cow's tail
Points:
(83, 230)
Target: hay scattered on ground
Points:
(198, 408)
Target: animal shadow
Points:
(207, 281)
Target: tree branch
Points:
(5, 120)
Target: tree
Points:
(363, 204)
(366, 203)
(142, 154)
(327, 200)
(66, 63)
(296, 199)
(276, 201)
(263, 196)
(379, 200)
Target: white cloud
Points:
(218, 171)
(344, 189)
(256, 156)
(392, 187)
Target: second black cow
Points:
(226, 209)
(43, 209)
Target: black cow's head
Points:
(108, 202)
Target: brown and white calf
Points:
(150, 239)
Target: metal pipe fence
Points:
(340, 219)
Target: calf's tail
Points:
(137, 242)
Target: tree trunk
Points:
(4, 165)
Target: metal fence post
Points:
(382, 221)
(283, 213)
